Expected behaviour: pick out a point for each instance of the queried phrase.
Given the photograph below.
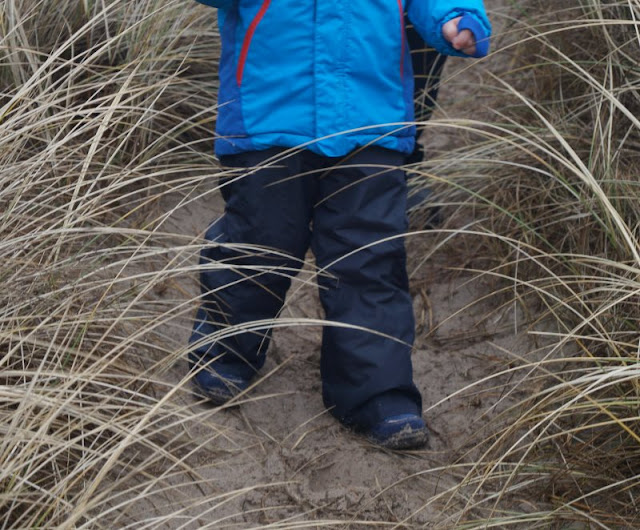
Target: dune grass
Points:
(554, 180)
(107, 107)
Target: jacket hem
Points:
(334, 146)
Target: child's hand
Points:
(463, 41)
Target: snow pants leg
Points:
(358, 226)
(427, 65)
(352, 213)
(253, 251)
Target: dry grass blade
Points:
(106, 116)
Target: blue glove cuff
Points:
(470, 22)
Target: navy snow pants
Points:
(351, 212)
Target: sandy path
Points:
(317, 469)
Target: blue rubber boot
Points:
(405, 431)
(218, 387)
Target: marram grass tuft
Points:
(107, 108)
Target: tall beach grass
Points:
(107, 108)
(553, 179)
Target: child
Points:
(427, 66)
(333, 79)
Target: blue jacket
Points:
(329, 75)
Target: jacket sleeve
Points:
(221, 4)
(428, 17)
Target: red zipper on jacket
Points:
(402, 38)
(247, 39)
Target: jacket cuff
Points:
(429, 18)
(443, 46)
